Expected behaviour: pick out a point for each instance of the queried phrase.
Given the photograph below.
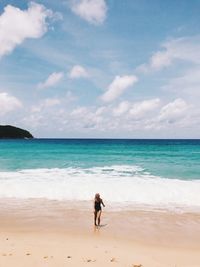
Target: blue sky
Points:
(101, 68)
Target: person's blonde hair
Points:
(97, 196)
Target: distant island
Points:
(8, 131)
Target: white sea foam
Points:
(123, 185)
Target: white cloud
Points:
(50, 102)
(100, 110)
(184, 49)
(161, 59)
(93, 11)
(142, 108)
(173, 111)
(118, 86)
(79, 111)
(176, 116)
(16, 25)
(8, 103)
(85, 118)
(187, 84)
(54, 110)
(121, 108)
(78, 72)
(191, 77)
(45, 104)
(52, 80)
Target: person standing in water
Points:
(97, 209)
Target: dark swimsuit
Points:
(97, 205)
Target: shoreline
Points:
(153, 226)
(50, 231)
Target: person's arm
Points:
(102, 203)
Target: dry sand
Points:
(50, 233)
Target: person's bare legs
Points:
(95, 217)
(99, 217)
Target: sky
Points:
(101, 68)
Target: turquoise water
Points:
(148, 173)
(167, 158)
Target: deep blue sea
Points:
(148, 173)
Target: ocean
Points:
(129, 174)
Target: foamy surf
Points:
(120, 185)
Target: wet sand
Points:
(55, 233)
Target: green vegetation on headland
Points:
(8, 131)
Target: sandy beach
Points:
(55, 233)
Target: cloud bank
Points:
(173, 111)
